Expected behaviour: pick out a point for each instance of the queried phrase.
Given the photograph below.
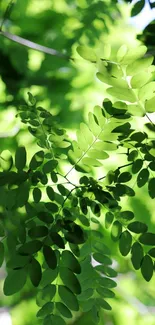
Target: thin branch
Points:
(149, 119)
(35, 46)
(7, 13)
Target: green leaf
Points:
(30, 247)
(50, 257)
(147, 238)
(126, 94)
(45, 217)
(104, 292)
(137, 227)
(48, 276)
(142, 177)
(1, 253)
(37, 194)
(50, 193)
(125, 242)
(86, 294)
(137, 8)
(63, 310)
(121, 52)
(68, 298)
(20, 158)
(102, 258)
(137, 255)
(69, 260)
(70, 280)
(56, 320)
(38, 231)
(86, 53)
(52, 207)
(37, 160)
(140, 79)
(108, 271)
(6, 160)
(116, 230)
(147, 91)
(124, 177)
(151, 187)
(107, 283)
(35, 272)
(137, 165)
(147, 268)
(109, 217)
(14, 282)
(57, 239)
(49, 166)
(18, 261)
(139, 65)
(45, 310)
(103, 304)
(31, 99)
(151, 252)
(150, 105)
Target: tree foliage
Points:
(52, 225)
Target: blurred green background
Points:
(68, 89)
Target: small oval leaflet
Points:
(109, 217)
(137, 227)
(50, 257)
(125, 243)
(107, 283)
(69, 260)
(48, 276)
(37, 194)
(102, 258)
(35, 272)
(57, 239)
(151, 252)
(45, 310)
(103, 304)
(147, 238)
(49, 166)
(104, 292)
(14, 282)
(137, 165)
(69, 279)
(63, 310)
(124, 177)
(142, 177)
(37, 160)
(151, 187)
(68, 298)
(38, 231)
(116, 230)
(30, 247)
(147, 268)
(6, 160)
(20, 158)
(86, 53)
(137, 255)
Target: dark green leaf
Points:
(137, 165)
(63, 310)
(48, 277)
(20, 158)
(38, 231)
(69, 260)
(102, 258)
(49, 166)
(147, 268)
(86, 294)
(116, 230)
(147, 238)
(109, 217)
(50, 193)
(151, 187)
(124, 177)
(152, 165)
(51, 207)
(68, 298)
(37, 160)
(70, 280)
(50, 257)
(151, 252)
(142, 177)
(45, 310)
(108, 271)
(137, 255)
(137, 227)
(103, 304)
(14, 282)
(57, 239)
(30, 247)
(37, 195)
(125, 216)
(18, 261)
(138, 6)
(35, 272)
(31, 99)
(125, 243)
(45, 217)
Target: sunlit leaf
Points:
(125, 242)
